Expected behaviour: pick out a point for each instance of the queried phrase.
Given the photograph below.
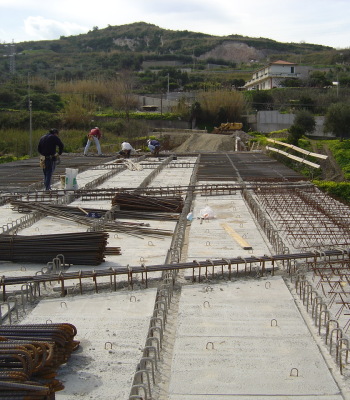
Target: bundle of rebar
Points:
(87, 248)
(25, 207)
(30, 356)
(95, 224)
(133, 201)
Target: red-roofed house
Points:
(272, 75)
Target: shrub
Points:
(338, 190)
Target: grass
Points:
(15, 144)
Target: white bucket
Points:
(71, 179)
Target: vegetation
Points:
(341, 152)
(304, 122)
(220, 106)
(338, 190)
(92, 79)
(338, 120)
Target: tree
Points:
(221, 104)
(261, 100)
(295, 133)
(292, 82)
(125, 99)
(304, 122)
(237, 83)
(306, 103)
(318, 79)
(196, 112)
(337, 120)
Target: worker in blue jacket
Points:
(154, 146)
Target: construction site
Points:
(193, 275)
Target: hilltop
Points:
(103, 51)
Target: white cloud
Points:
(314, 21)
(43, 28)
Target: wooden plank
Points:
(300, 150)
(301, 160)
(238, 238)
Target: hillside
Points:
(104, 51)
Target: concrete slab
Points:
(246, 339)
(107, 349)
(208, 238)
(239, 340)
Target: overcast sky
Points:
(325, 22)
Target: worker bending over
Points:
(126, 150)
(154, 146)
(94, 135)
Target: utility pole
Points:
(30, 120)
(337, 85)
(12, 58)
(30, 130)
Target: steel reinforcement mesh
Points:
(307, 218)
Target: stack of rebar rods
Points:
(87, 248)
(25, 207)
(132, 201)
(95, 224)
(30, 356)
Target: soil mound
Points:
(206, 142)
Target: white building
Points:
(271, 75)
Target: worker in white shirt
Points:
(126, 150)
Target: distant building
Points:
(271, 75)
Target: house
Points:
(271, 75)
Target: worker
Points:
(154, 146)
(126, 150)
(48, 144)
(94, 135)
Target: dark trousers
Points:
(125, 153)
(50, 165)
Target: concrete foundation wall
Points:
(269, 121)
(168, 124)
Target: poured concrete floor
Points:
(245, 339)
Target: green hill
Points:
(104, 51)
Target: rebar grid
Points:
(332, 277)
(318, 309)
(306, 218)
(88, 193)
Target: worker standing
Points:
(154, 146)
(47, 147)
(94, 135)
(126, 150)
